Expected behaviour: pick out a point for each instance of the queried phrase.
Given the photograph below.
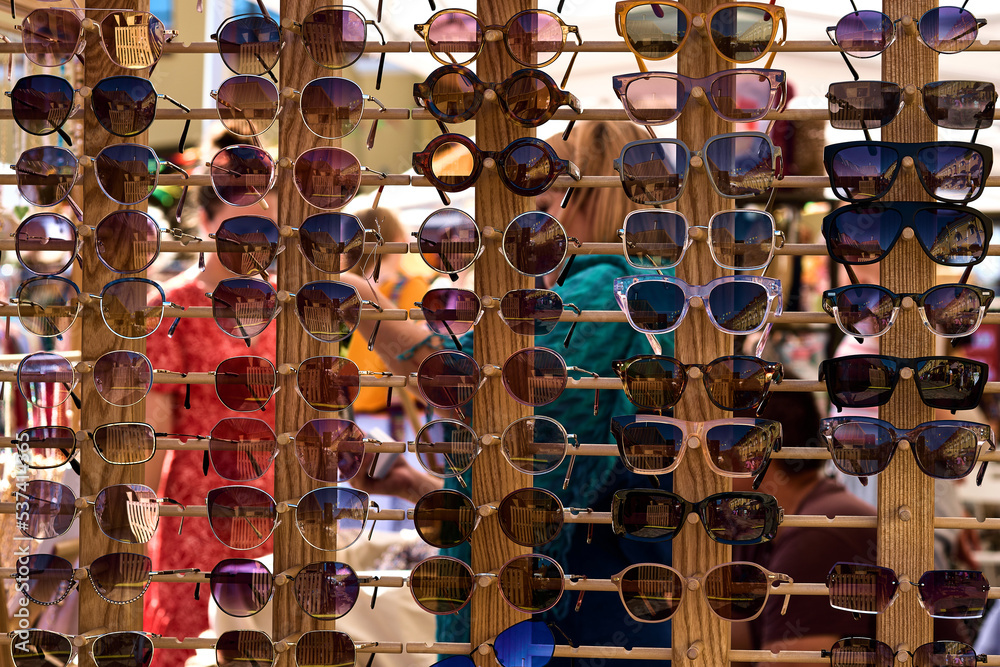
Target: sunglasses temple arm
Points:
(184, 191)
(572, 327)
(572, 60)
(968, 270)
(187, 123)
(171, 501)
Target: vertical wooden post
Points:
(907, 546)
(492, 477)
(95, 340)
(695, 627)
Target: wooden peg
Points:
(693, 518)
(698, 233)
(909, 94)
(490, 233)
(699, 95)
(286, 231)
(908, 163)
(908, 233)
(904, 514)
(909, 25)
(694, 650)
(697, 162)
(697, 302)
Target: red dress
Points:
(197, 345)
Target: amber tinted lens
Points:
(330, 450)
(127, 241)
(332, 106)
(133, 40)
(334, 36)
(453, 97)
(444, 518)
(735, 383)
(245, 384)
(532, 584)
(242, 449)
(453, 165)
(325, 647)
(328, 384)
(125, 443)
(441, 585)
(446, 448)
(247, 105)
(651, 593)
(535, 376)
(530, 517)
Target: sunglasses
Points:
(328, 647)
(250, 43)
(335, 36)
(243, 307)
(47, 379)
(533, 445)
(125, 106)
(739, 239)
(868, 380)
(740, 32)
(524, 644)
(738, 447)
(737, 591)
(331, 384)
(866, 233)
(42, 103)
(241, 647)
(870, 589)
(863, 446)
(949, 171)
(528, 97)
(529, 583)
(868, 311)
(131, 39)
(736, 95)
(331, 450)
(867, 652)
(330, 310)
(653, 515)
(34, 647)
(739, 165)
(449, 241)
(733, 382)
(245, 384)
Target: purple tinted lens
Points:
(328, 384)
(332, 106)
(241, 586)
(944, 654)
(448, 379)
(330, 450)
(941, 178)
(946, 452)
(50, 510)
(948, 29)
(864, 172)
(50, 578)
(326, 590)
(865, 235)
(46, 379)
(127, 241)
(249, 44)
(535, 38)
(953, 593)
(328, 310)
(742, 97)
(245, 384)
(534, 243)
(241, 517)
(531, 312)
(42, 447)
(247, 244)
(334, 37)
(740, 166)
(866, 310)
(535, 376)
(953, 310)
(441, 585)
(46, 174)
(242, 175)
(122, 649)
(127, 173)
(41, 103)
(121, 577)
(242, 449)
(854, 651)
(865, 34)
(861, 448)
(327, 178)
(51, 36)
(46, 243)
(320, 510)
(860, 105)
(235, 648)
(243, 307)
(449, 240)
(864, 589)
(653, 172)
(127, 513)
(48, 305)
(124, 105)
(457, 34)
(123, 378)
(247, 105)
(960, 105)
(451, 312)
(652, 100)
(332, 242)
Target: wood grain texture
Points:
(698, 341)
(96, 339)
(492, 476)
(907, 546)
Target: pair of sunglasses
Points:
(528, 517)
(739, 32)
(737, 447)
(738, 239)
(868, 652)
(654, 515)
(867, 33)
(944, 449)
(868, 311)
(870, 589)
(738, 164)
(331, 107)
(949, 171)
(34, 647)
(733, 382)
(47, 379)
(528, 97)
(736, 95)
(868, 380)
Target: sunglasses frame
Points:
(67, 197)
(870, 644)
(298, 27)
(69, 389)
(209, 503)
(20, 234)
(337, 337)
(147, 636)
(346, 363)
(74, 650)
(72, 582)
(987, 113)
(442, 212)
(25, 83)
(364, 499)
(156, 176)
(264, 16)
(227, 561)
(832, 30)
(226, 282)
(149, 576)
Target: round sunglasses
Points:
(129, 648)
(868, 652)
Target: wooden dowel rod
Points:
(211, 113)
(205, 312)
(561, 651)
(615, 181)
(205, 179)
(208, 245)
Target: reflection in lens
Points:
(125, 443)
(530, 517)
(122, 649)
(328, 384)
(41, 103)
(249, 44)
(241, 587)
(960, 105)
(534, 243)
(245, 384)
(242, 449)
(124, 105)
(241, 517)
(123, 378)
(865, 172)
(446, 447)
(742, 240)
(448, 379)
(742, 449)
(132, 307)
(327, 177)
(853, 651)
(945, 452)
(647, 515)
(332, 242)
(865, 311)
(41, 648)
(127, 513)
(653, 382)
(330, 450)
(47, 306)
(46, 243)
(858, 105)
(740, 166)
(952, 172)
(247, 244)
(861, 448)
(736, 591)
(450, 312)
(650, 593)
(654, 172)
(46, 174)
(655, 306)
(42, 447)
(120, 577)
(133, 40)
(127, 173)
(326, 590)
(864, 589)
(332, 106)
(449, 240)
(444, 518)
(46, 379)
(531, 312)
(127, 241)
(453, 164)
(742, 34)
(242, 307)
(864, 34)
(334, 37)
(651, 447)
(51, 36)
(953, 593)
(654, 30)
(242, 175)
(534, 376)
(532, 583)
(534, 38)
(535, 444)
(50, 509)
(49, 579)
(454, 37)
(247, 105)
(235, 648)
(331, 518)
(948, 29)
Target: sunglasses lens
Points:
(121, 577)
(241, 587)
(242, 449)
(242, 517)
(655, 306)
(655, 239)
(441, 585)
(328, 310)
(327, 178)
(864, 34)
(47, 307)
(346, 509)
(865, 235)
(528, 643)
(738, 591)
(332, 107)
(245, 384)
(44, 447)
(737, 518)
(242, 175)
(534, 445)
(132, 308)
(943, 654)
(646, 515)
(327, 590)
(864, 589)
(122, 649)
(742, 449)
(531, 584)
(328, 384)
(460, 33)
(534, 243)
(743, 97)
(653, 383)
(948, 29)
(651, 447)
(528, 168)
(133, 40)
(447, 379)
(243, 307)
(330, 450)
(123, 378)
(653, 172)
(247, 244)
(449, 241)
(444, 518)
(742, 34)
(737, 383)
(865, 311)
(739, 306)
(127, 241)
(46, 174)
(446, 448)
(332, 242)
(741, 166)
(124, 105)
(936, 167)
(50, 509)
(534, 376)
(127, 513)
(453, 97)
(51, 36)
(325, 647)
(742, 240)
(862, 652)
(249, 44)
(865, 172)
(529, 99)
(655, 30)
(127, 173)
(46, 379)
(861, 382)
(125, 444)
(946, 452)
(951, 384)
(46, 243)
(41, 103)
(453, 166)
(49, 579)
(534, 37)
(953, 310)
(334, 37)
(960, 105)
(247, 105)
(953, 593)
(531, 312)
(654, 100)
(41, 648)
(935, 227)
(235, 648)
(530, 517)
(651, 593)
(450, 312)
(857, 105)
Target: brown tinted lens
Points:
(236, 648)
(125, 443)
(127, 513)
(247, 244)
(530, 517)
(535, 38)
(535, 376)
(444, 518)
(127, 173)
(51, 36)
(651, 593)
(737, 383)
(736, 591)
(441, 585)
(532, 584)
(325, 647)
(334, 37)
(133, 40)
(123, 378)
(742, 449)
(46, 174)
(454, 95)
(47, 306)
(132, 308)
(944, 654)
(446, 448)
(332, 106)
(245, 384)
(330, 450)
(241, 517)
(327, 178)
(865, 589)
(120, 577)
(528, 99)
(527, 168)
(863, 652)
(247, 105)
(448, 379)
(534, 243)
(127, 241)
(534, 445)
(242, 175)
(453, 165)
(328, 384)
